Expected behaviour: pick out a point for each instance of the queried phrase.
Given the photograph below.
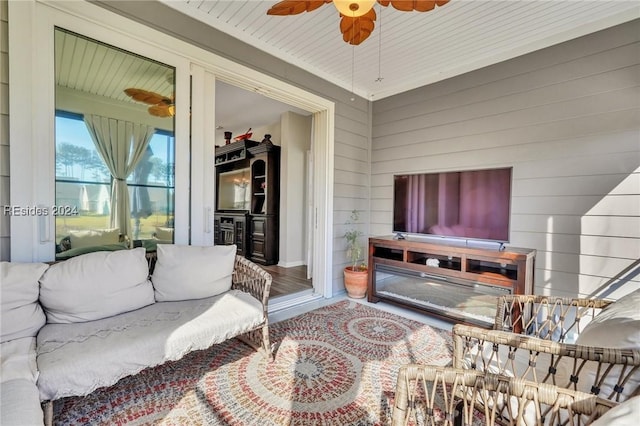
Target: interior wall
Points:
(273, 129)
(293, 134)
(296, 141)
(5, 233)
(352, 118)
(567, 118)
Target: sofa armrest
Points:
(612, 374)
(547, 317)
(251, 278)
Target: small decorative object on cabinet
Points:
(356, 274)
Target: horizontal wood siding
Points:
(567, 119)
(5, 234)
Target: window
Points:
(83, 183)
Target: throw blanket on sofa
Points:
(76, 359)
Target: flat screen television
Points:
(234, 191)
(470, 204)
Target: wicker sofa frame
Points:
(436, 395)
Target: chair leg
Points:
(48, 413)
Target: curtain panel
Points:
(121, 144)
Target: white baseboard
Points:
(291, 264)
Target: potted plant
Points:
(355, 275)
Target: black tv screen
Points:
(471, 204)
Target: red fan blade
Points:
(293, 7)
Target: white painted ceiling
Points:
(237, 110)
(409, 49)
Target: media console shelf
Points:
(455, 282)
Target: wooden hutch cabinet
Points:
(248, 199)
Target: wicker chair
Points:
(441, 395)
(542, 330)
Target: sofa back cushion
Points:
(617, 327)
(96, 285)
(94, 237)
(192, 272)
(21, 314)
(18, 360)
(164, 234)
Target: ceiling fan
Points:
(357, 17)
(161, 106)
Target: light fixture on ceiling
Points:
(357, 17)
(354, 8)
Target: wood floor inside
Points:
(288, 280)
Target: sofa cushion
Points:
(625, 414)
(68, 254)
(21, 314)
(18, 360)
(96, 285)
(192, 272)
(94, 237)
(76, 359)
(617, 326)
(164, 234)
(20, 403)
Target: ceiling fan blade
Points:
(356, 30)
(411, 5)
(162, 110)
(147, 97)
(293, 7)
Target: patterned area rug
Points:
(334, 366)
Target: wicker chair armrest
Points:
(547, 317)
(433, 393)
(251, 278)
(567, 365)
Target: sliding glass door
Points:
(114, 147)
(102, 142)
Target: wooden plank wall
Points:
(567, 118)
(5, 241)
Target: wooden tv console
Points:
(480, 273)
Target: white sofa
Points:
(72, 327)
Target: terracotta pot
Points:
(355, 282)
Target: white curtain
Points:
(121, 144)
